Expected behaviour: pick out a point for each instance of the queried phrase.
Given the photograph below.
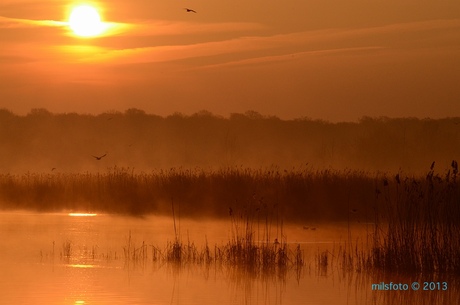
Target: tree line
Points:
(42, 141)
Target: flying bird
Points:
(99, 158)
(189, 10)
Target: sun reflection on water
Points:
(81, 266)
(82, 214)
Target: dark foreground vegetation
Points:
(249, 251)
(292, 195)
(295, 195)
(416, 220)
(421, 225)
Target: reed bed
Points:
(242, 253)
(300, 194)
(255, 260)
(416, 231)
(421, 217)
(416, 219)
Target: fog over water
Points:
(313, 160)
(315, 203)
(68, 142)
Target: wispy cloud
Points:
(6, 22)
(326, 41)
(151, 28)
(53, 49)
(239, 50)
(156, 28)
(172, 52)
(110, 28)
(289, 57)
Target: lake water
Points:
(35, 267)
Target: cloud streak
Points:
(231, 52)
(10, 23)
(160, 28)
(110, 28)
(152, 28)
(328, 41)
(175, 52)
(290, 57)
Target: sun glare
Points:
(85, 21)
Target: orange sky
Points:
(325, 59)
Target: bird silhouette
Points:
(189, 10)
(99, 158)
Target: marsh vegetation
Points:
(187, 168)
(409, 225)
(412, 222)
(295, 195)
(421, 224)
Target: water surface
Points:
(62, 259)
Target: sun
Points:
(84, 21)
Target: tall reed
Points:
(420, 224)
(300, 194)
